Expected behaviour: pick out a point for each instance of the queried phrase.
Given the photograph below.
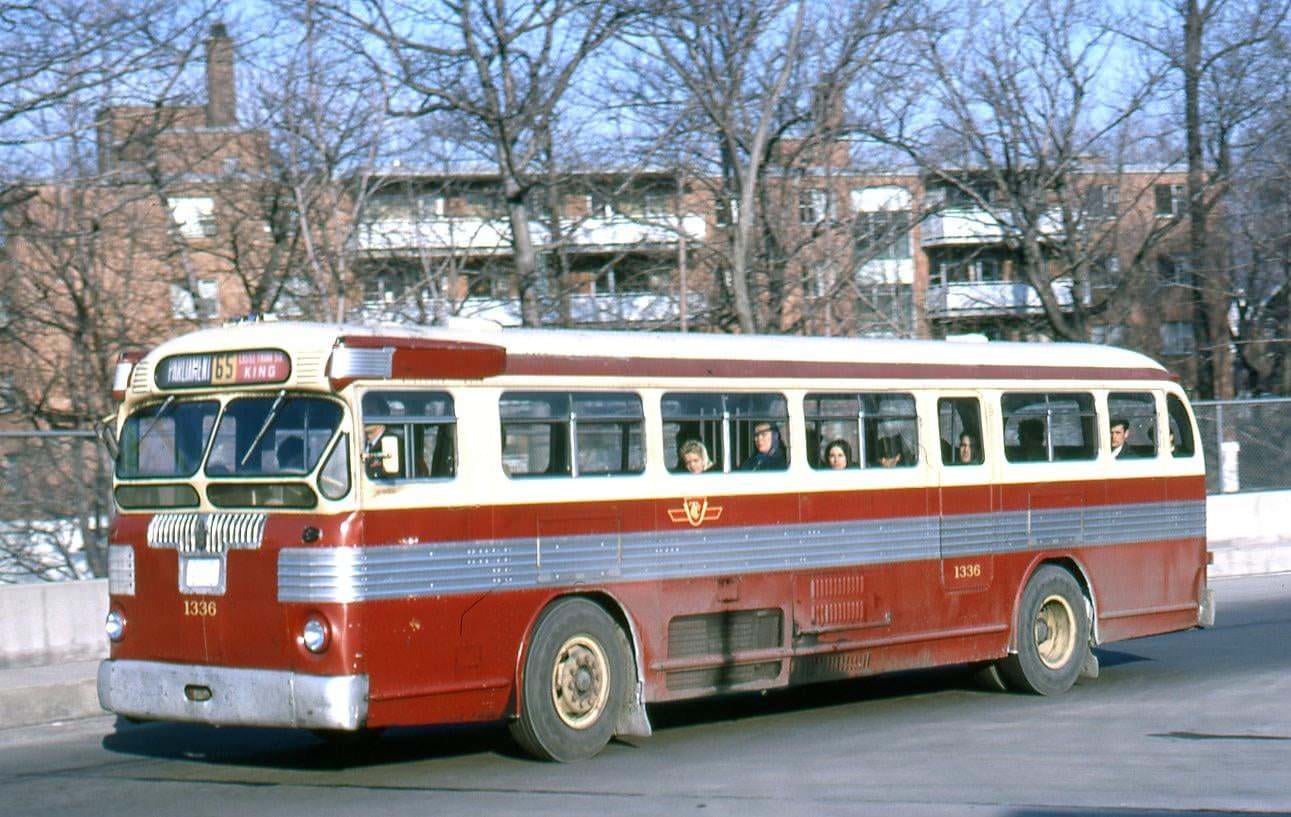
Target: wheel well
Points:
(1077, 571)
(614, 609)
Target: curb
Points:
(57, 692)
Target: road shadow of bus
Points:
(300, 750)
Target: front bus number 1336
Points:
(199, 607)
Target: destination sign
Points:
(223, 369)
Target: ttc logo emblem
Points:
(696, 511)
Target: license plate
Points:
(202, 573)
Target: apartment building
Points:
(175, 230)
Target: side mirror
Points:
(106, 430)
(390, 464)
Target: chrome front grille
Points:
(207, 532)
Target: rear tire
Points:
(1052, 635)
(576, 681)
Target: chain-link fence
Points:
(1247, 443)
(54, 505)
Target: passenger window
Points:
(1180, 443)
(1047, 427)
(960, 422)
(409, 435)
(729, 432)
(861, 430)
(571, 434)
(1132, 424)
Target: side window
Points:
(861, 430)
(833, 431)
(1132, 424)
(1180, 443)
(725, 432)
(409, 435)
(571, 434)
(1047, 427)
(960, 422)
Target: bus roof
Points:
(492, 350)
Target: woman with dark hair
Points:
(768, 453)
(838, 454)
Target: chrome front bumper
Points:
(232, 697)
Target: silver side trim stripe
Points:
(347, 574)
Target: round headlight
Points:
(115, 625)
(314, 634)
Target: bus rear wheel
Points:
(576, 680)
(1053, 635)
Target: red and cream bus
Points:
(346, 528)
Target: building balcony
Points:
(975, 227)
(485, 235)
(984, 299)
(622, 309)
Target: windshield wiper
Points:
(268, 421)
(156, 419)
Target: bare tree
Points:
(1021, 100)
(1221, 54)
(499, 72)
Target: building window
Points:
(8, 397)
(1177, 338)
(884, 234)
(1173, 270)
(195, 216)
(1169, 200)
(1109, 335)
(1101, 202)
(813, 206)
(973, 269)
(204, 305)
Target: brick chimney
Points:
(221, 97)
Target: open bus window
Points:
(409, 435)
(959, 420)
(728, 427)
(1180, 443)
(1132, 422)
(880, 429)
(575, 434)
(166, 439)
(1046, 427)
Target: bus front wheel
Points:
(1053, 635)
(576, 679)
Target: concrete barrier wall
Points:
(1260, 516)
(52, 622)
(48, 623)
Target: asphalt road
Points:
(1189, 723)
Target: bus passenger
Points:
(1031, 447)
(1119, 432)
(769, 453)
(291, 454)
(967, 452)
(890, 451)
(839, 454)
(694, 457)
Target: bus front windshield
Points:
(166, 439)
(281, 435)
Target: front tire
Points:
(1052, 636)
(576, 680)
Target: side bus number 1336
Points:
(199, 607)
(968, 571)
